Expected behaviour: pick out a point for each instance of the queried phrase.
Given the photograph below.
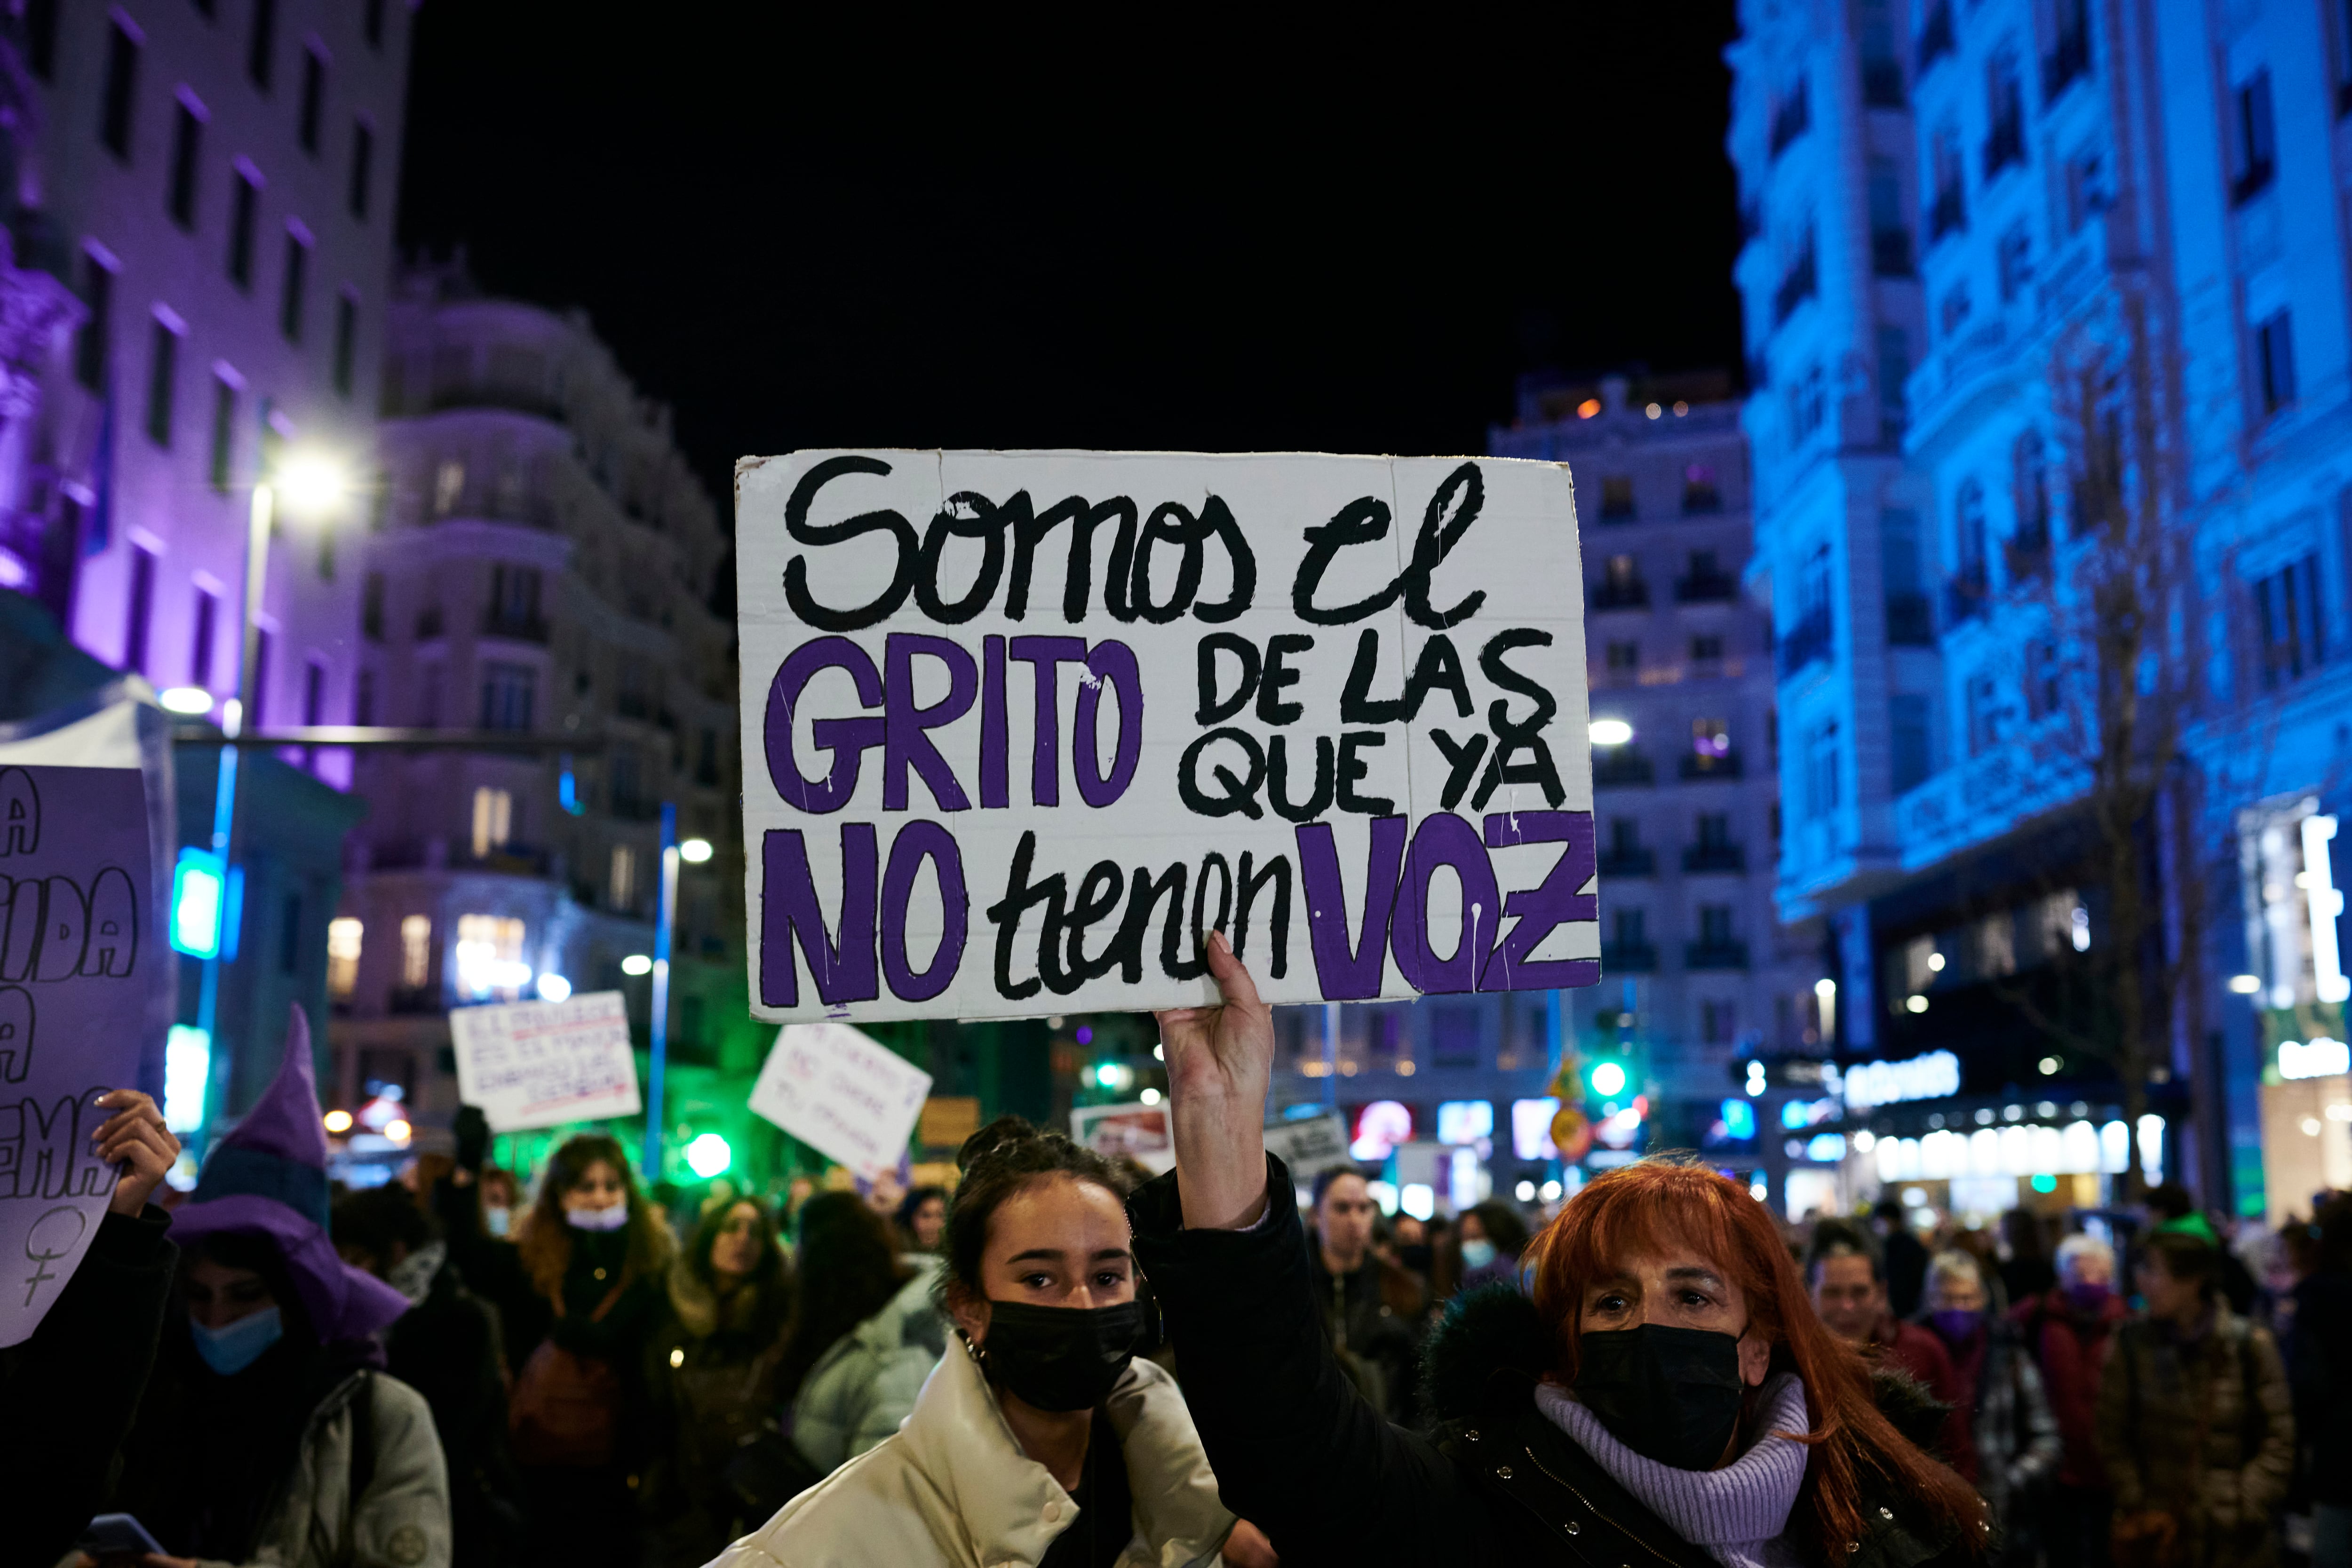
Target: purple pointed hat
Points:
(268, 1177)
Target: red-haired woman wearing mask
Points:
(1666, 1395)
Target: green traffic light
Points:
(1608, 1079)
(708, 1155)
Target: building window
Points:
(2015, 262)
(314, 691)
(1890, 233)
(344, 936)
(2286, 613)
(415, 951)
(490, 955)
(1988, 714)
(187, 152)
(507, 694)
(121, 94)
(162, 382)
(2253, 149)
(1971, 584)
(1717, 1021)
(200, 657)
(1807, 406)
(1882, 68)
(261, 46)
(514, 602)
(493, 820)
(1893, 377)
(1700, 494)
(140, 610)
(1791, 117)
(1821, 780)
(1710, 745)
(289, 298)
(372, 607)
(262, 642)
(1910, 742)
(223, 431)
(2044, 688)
(2274, 362)
(428, 696)
(41, 38)
(448, 487)
(363, 167)
(1936, 39)
(347, 340)
(622, 885)
(2069, 55)
(2087, 188)
(314, 96)
(1799, 282)
(2004, 113)
(244, 200)
(1624, 658)
(625, 776)
(1947, 212)
(1617, 498)
(96, 338)
(1707, 650)
(1714, 925)
(363, 699)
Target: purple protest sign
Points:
(81, 961)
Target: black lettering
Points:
(1214, 709)
(1198, 965)
(1438, 666)
(1538, 770)
(1020, 897)
(1143, 894)
(1241, 794)
(984, 522)
(1097, 896)
(1079, 587)
(1277, 872)
(1461, 761)
(1490, 664)
(1185, 530)
(1277, 778)
(1219, 520)
(1439, 535)
(1357, 705)
(1271, 708)
(796, 524)
(1353, 767)
(1360, 521)
(1028, 532)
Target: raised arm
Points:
(1220, 1061)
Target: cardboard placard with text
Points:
(1019, 727)
(543, 1064)
(843, 1094)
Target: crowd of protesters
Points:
(1064, 1361)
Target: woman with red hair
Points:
(1666, 1395)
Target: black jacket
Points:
(2319, 1370)
(68, 1394)
(446, 1347)
(1298, 1454)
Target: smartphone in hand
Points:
(117, 1538)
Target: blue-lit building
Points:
(1992, 248)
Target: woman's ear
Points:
(1755, 1359)
(970, 1311)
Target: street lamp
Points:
(694, 851)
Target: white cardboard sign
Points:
(1019, 726)
(1134, 1131)
(541, 1064)
(843, 1094)
(1311, 1146)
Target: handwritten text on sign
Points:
(541, 1064)
(1018, 728)
(843, 1094)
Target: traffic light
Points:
(708, 1155)
(1607, 1077)
(199, 892)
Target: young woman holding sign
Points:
(1666, 1395)
(1041, 1438)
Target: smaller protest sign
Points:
(1136, 1132)
(541, 1064)
(843, 1094)
(1309, 1147)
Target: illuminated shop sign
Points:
(1935, 1076)
(2318, 1056)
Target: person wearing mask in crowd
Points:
(268, 1436)
(710, 1379)
(922, 1219)
(68, 1391)
(2172, 1211)
(2196, 1424)
(1370, 1308)
(2010, 1448)
(2068, 1330)
(2319, 1370)
(597, 1253)
(445, 1346)
(501, 1197)
(1492, 1238)
(2026, 1272)
(1041, 1439)
(866, 1337)
(1902, 1259)
(467, 1205)
(1410, 1236)
(1664, 1394)
(1850, 1292)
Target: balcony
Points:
(1965, 597)
(1910, 620)
(1628, 957)
(1697, 767)
(528, 628)
(1633, 593)
(1707, 588)
(1797, 286)
(1701, 858)
(1630, 862)
(511, 399)
(1947, 215)
(1619, 767)
(1701, 497)
(2026, 553)
(2005, 144)
(428, 623)
(508, 859)
(1715, 955)
(1936, 39)
(2068, 62)
(1811, 638)
(1790, 120)
(1890, 253)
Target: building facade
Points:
(543, 566)
(2046, 313)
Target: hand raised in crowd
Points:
(136, 1138)
(1219, 1062)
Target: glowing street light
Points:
(337, 1122)
(190, 700)
(695, 851)
(1611, 731)
(637, 964)
(708, 1155)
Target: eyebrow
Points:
(1702, 1275)
(1055, 1255)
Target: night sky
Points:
(952, 234)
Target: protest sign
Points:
(541, 1064)
(82, 962)
(1020, 727)
(1136, 1132)
(843, 1094)
(1309, 1147)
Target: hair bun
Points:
(1002, 1134)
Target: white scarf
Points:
(1735, 1514)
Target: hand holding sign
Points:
(1220, 1063)
(135, 1138)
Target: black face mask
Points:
(1060, 1358)
(1669, 1394)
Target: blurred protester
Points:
(267, 1436)
(866, 1337)
(1644, 1405)
(1980, 1246)
(885, 1193)
(501, 1196)
(2196, 1424)
(2319, 1371)
(1041, 1439)
(2011, 1449)
(710, 1380)
(465, 1204)
(1493, 1235)
(67, 1393)
(2069, 1330)
(922, 1219)
(1850, 1292)
(2172, 1211)
(1371, 1309)
(597, 1253)
(1903, 1258)
(446, 1347)
(1410, 1238)
(2026, 1270)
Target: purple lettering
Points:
(992, 741)
(1445, 839)
(846, 739)
(1112, 664)
(916, 843)
(789, 911)
(905, 741)
(1047, 655)
(1346, 973)
(1551, 902)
